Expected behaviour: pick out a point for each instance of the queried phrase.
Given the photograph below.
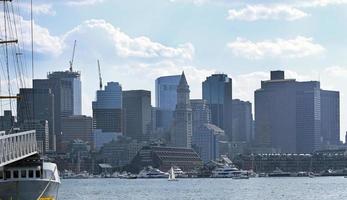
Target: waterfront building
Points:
(107, 109)
(288, 115)
(181, 135)
(164, 158)
(37, 106)
(317, 162)
(217, 91)
(242, 121)
(78, 127)
(66, 88)
(330, 117)
(138, 114)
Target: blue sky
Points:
(137, 41)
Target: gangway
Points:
(17, 146)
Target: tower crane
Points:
(73, 56)
(100, 79)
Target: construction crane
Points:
(100, 79)
(73, 56)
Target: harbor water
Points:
(322, 188)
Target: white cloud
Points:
(297, 47)
(38, 9)
(44, 42)
(196, 2)
(83, 2)
(127, 46)
(321, 3)
(262, 12)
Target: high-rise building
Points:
(217, 91)
(166, 92)
(201, 113)
(288, 115)
(77, 127)
(107, 109)
(182, 128)
(206, 141)
(242, 121)
(7, 122)
(330, 117)
(35, 108)
(42, 134)
(206, 136)
(165, 100)
(138, 114)
(66, 88)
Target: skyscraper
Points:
(181, 135)
(39, 113)
(166, 92)
(288, 114)
(107, 109)
(242, 121)
(217, 90)
(66, 88)
(138, 114)
(166, 100)
(206, 141)
(201, 113)
(206, 136)
(330, 117)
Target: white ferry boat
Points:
(226, 171)
(150, 172)
(25, 180)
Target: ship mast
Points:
(6, 42)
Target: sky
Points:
(137, 41)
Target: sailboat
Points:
(172, 176)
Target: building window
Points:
(1, 174)
(23, 174)
(38, 174)
(31, 174)
(15, 174)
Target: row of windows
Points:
(16, 174)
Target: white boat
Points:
(38, 180)
(126, 175)
(179, 173)
(172, 176)
(150, 172)
(226, 171)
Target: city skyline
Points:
(174, 99)
(156, 52)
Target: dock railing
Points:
(14, 147)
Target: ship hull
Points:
(28, 190)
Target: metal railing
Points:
(14, 147)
